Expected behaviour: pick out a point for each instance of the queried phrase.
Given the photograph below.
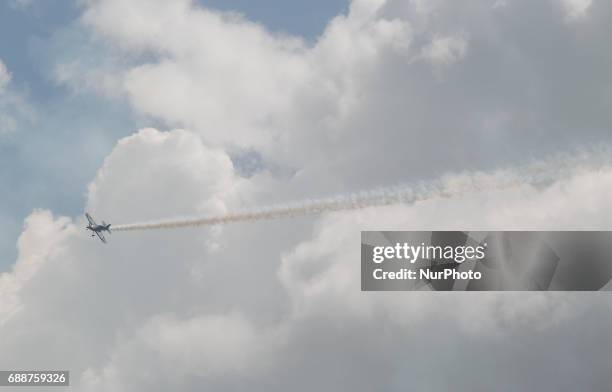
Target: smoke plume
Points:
(540, 174)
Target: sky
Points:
(155, 109)
(50, 162)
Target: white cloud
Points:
(11, 103)
(271, 302)
(171, 156)
(15, 110)
(83, 77)
(5, 77)
(43, 236)
(270, 77)
(443, 51)
(277, 305)
(576, 9)
(289, 101)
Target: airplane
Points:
(97, 229)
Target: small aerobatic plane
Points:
(97, 229)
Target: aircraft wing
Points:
(101, 236)
(90, 219)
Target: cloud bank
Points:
(415, 89)
(392, 91)
(258, 304)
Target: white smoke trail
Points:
(537, 174)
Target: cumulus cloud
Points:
(277, 305)
(166, 173)
(360, 88)
(274, 303)
(42, 237)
